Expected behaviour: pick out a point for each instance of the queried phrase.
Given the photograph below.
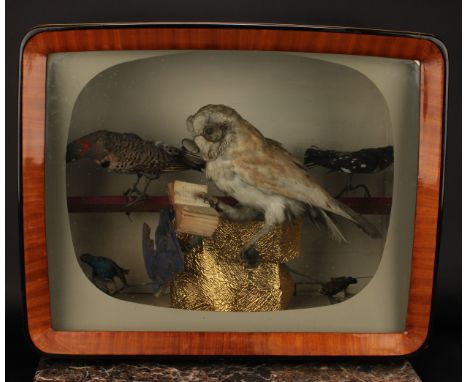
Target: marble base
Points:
(222, 370)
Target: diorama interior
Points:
(334, 105)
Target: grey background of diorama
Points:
(273, 91)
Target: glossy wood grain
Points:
(114, 38)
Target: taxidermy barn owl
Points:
(264, 177)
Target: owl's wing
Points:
(273, 169)
(275, 145)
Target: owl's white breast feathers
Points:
(276, 207)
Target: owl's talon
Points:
(251, 257)
(212, 201)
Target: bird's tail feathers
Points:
(324, 222)
(360, 221)
(192, 160)
(332, 228)
(314, 156)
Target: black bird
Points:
(332, 287)
(365, 161)
(104, 270)
(337, 285)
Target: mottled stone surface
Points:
(223, 370)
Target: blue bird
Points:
(104, 270)
(166, 259)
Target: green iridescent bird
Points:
(104, 270)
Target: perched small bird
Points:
(365, 161)
(337, 285)
(164, 261)
(127, 153)
(264, 177)
(104, 270)
(332, 287)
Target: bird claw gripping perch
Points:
(131, 202)
(251, 257)
(249, 254)
(134, 189)
(349, 187)
(137, 200)
(212, 201)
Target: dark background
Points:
(442, 359)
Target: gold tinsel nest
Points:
(217, 279)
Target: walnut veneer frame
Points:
(42, 41)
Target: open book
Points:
(192, 214)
